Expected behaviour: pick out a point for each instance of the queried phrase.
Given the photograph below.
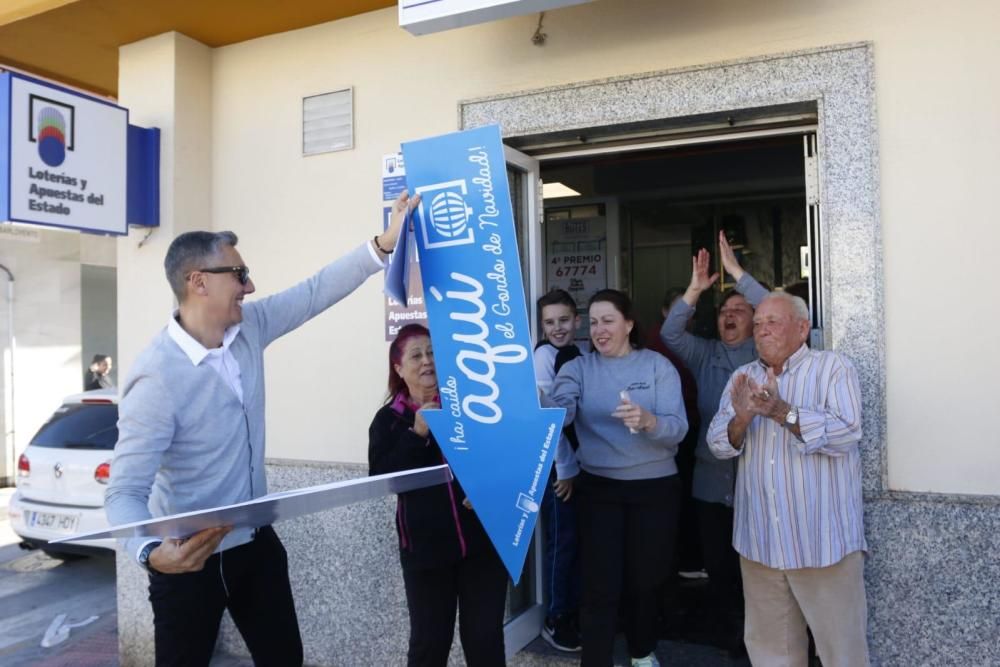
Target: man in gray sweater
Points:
(191, 436)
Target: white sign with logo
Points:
(422, 17)
(67, 163)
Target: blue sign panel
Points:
(498, 441)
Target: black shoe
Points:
(561, 634)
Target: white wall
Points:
(98, 316)
(165, 82)
(936, 105)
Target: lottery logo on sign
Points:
(444, 214)
(51, 137)
(526, 503)
(51, 128)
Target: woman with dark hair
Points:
(628, 410)
(448, 561)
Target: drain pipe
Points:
(9, 394)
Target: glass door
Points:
(525, 605)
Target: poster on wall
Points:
(63, 159)
(576, 260)
(398, 314)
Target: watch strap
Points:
(144, 556)
(792, 418)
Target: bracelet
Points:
(380, 248)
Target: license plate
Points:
(60, 523)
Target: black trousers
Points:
(715, 525)
(251, 581)
(627, 534)
(477, 587)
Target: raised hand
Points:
(700, 278)
(729, 261)
(403, 205)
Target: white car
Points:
(62, 475)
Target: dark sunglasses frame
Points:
(242, 272)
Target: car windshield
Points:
(81, 426)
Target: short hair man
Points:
(191, 436)
(794, 421)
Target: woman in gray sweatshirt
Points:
(629, 415)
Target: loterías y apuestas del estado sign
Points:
(62, 157)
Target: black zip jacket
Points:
(433, 526)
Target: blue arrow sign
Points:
(498, 441)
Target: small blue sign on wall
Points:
(498, 441)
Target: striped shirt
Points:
(798, 501)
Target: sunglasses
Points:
(242, 272)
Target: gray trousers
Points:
(831, 600)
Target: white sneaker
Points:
(649, 661)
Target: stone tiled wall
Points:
(932, 575)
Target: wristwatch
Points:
(144, 557)
(792, 418)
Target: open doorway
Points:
(639, 216)
(631, 217)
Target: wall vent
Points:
(328, 122)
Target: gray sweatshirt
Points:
(589, 388)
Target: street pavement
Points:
(35, 589)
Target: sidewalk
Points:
(35, 588)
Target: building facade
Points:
(889, 106)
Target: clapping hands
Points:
(750, 399)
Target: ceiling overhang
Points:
(76, 41)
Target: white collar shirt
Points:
(220, 359)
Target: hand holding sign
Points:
(175, 556)
(497, 439)
(404, 204)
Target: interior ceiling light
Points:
(555, 190)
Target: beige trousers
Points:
(831, 600)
